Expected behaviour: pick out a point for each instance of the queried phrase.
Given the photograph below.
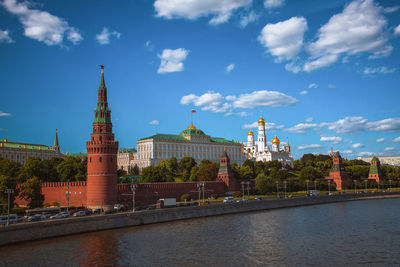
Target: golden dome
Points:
(275, 141)
(261, 120)
(191, 127)
(250, 133)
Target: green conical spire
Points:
(56, 145)
(102, 82)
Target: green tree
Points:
(186, 164)
(31, 192)
(7, 182)
(261, 184)
(246, 172)
(308, 173)
(133, 171)
(173, 165)
(32, 168)
(9, 168)
(207, 172)
(121, 172)
(72, 169)
(193, 174)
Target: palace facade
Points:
(260, 151)
(20, 152)
(191, 142)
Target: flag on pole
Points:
(193, 111)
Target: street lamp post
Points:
(277, 189)
(315, 185)
(307, 185)
(133, 188)
(242, 183)
(199, 186)
(285, 183)
(8, 192)
(329, 187)
(378, 185)
(248, 189)
(355, 186)
(366, 185)
(67, 195)
(203, 184)
(390, 185)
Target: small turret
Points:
(56, 146)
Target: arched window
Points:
(100, 159)
(90, 159)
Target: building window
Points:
(111, 159)
(100, 159)
(90, 159)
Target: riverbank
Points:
(48, 229)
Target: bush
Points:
(214, 196)
(46, 205)
(55, 204)
(186, 197)
(237, 194)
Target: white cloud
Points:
(332, 139)
(347, 151)
(154, 122)
(397, 30)
(105, 35)
(230, 67)
(308, 146)
(293, 67)
(209, 101)
(41, 25)
(304, 92)
(382, 69)
(365, 153)
(360, 28)
(301, 128)
(389, 149)
(331, 86)
(359, 124)
(379, 140)
(273, 3)
(5, 37)
(264, 98)
(4, 114)
(357, 145)
(391, 9)
(310, 119)
(284, 39)
(220, 10)
(269, 126)
(397, 139)
(172, 60)
(248, 18)
(312, 85)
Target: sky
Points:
(323, 73)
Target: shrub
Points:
(237, 194)
(214, 196)
(186, 197)
(46, 205)
(55, 204)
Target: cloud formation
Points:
(248, 18)
(104, 37)
(361, 27)
(350, 125)
(215, 102)
(332, 139)
(301, 128)
(397, 30)
(389, 149)
(379, 140)
(357, 145)
(308, 146)
(154, 122)
(219, 10)
(273, 3)
(4, 114)
(172, 60)
(383, 70)
(397, 139)
(304, 92)
(284, 39)
(365, 153)
(41, 25)
(312, 85)
(269, 126)
(230, 67)
(5, 37)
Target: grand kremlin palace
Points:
(191, 142)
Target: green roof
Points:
(78, 155)
(127, 150)
(8, 144)
(222, 140)
(173, 137)
(192, 132)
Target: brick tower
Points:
(225, 173)
(338, 173)
(375, 170)
(102, 156)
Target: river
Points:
(339, 234)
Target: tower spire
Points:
(56, 145)
(102, 114)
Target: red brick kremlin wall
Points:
(145, 193)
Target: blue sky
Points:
(322, 72)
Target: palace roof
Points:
(8, 144)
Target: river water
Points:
(363, 233)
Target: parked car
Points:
(47, 215)
(13, 218)
(228, 200)
(36, 217)
(57, 216)
(88, 212)
(242, 200)
(119, 207)
(258, 198)
(205, 203)
(152, 207)
(98, 211)
(65, 214)
(79, 213)
(110, 211)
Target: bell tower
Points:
(102, 156)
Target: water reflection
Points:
(352, 233)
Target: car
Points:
(258, 198)
(152, 207)
(228, 200)
(242, 200)
(36, 217)
(194, 203)
(98, 211)
(79, 213)
(57, 216)
(47, 215)
(110, 211)
(119, 207)
(205, 203)
(65, 214)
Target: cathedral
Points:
(260, 151)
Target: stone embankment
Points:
(53, 228)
